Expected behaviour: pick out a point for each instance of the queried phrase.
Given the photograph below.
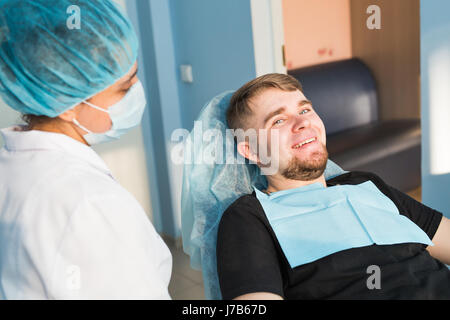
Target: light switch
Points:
(186, 73)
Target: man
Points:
(351, 237)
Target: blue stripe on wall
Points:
(152, 126)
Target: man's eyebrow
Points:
(304, 102)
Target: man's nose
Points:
(301, 122)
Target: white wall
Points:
(8, 117)
(268, 36)
(125, 158)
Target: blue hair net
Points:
(210, 188)
(47, 68)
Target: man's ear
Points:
(244, 150)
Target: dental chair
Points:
(344, 94)
(209, 188)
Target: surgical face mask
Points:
(125, 115)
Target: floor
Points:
(187, 283)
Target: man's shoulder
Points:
(244, 202)
(246, 205)
(245, 216)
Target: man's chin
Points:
(306, 170)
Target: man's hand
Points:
(259, 296)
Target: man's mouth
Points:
(303, 143)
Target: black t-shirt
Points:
(250, 259)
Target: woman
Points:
(68, 230)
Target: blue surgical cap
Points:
(209, 188)
(48, 65)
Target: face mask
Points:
(125, 115)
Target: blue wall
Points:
(435, 80)
(215, 37)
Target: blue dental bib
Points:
(312, 221)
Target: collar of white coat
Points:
(16, 139)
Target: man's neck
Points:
(278, 183)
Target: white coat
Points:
(68, 230)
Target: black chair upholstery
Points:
(344, 95)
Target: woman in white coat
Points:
(68, 230)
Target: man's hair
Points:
(239, 110)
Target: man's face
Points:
(301, 133)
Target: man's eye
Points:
(280, 121)
(303, 111)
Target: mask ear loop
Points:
(95, 107)
(75, 121)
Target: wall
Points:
(215, 37)
(316, 31)
(158, 74)
(435, 66)
(125, 158)
(8, 117)
(392, 53)
(268, 36)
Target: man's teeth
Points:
(304, 142)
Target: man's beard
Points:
(307, 170)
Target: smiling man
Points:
(307, 238)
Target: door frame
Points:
(268, 36)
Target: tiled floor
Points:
(187, 284)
